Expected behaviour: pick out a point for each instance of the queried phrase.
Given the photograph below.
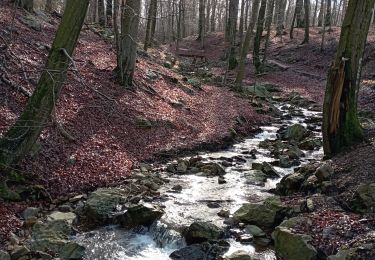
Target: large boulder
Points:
(268, 214)
(142, 214)
(199, 232)
(210, 250)
(324, 172)
(290, 245)
(290, 183)
(212, 169)
(101, 203)
(53, 236)
(238, 255)
(296, 133)
(364, 198)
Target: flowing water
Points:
(191, 204)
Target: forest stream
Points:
(200, 199)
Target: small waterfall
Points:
(166, 237)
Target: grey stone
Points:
(238, 255)
(144, 214)
(199, 232)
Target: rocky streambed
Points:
(210, 206)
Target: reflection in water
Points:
(158, 242)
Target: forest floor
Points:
(115, 129)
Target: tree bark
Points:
(128, 43)
(20, 138)
(315, 14)
(232, 25)
(201, 23)
(247, 42)
(151, 21)
(258, 36)
(213, 15)
(307, 21)
(321, 13)
(341, 127)
(299, 16)
(280, 16)
(328, 19)
(109, 15)
(101, 12)
(271, 6)
(241, 26)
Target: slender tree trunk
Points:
(299, 17)
(151, 23)
(207, 19)
(307, 21)
(213, 15)
(324, 29)
(280, 16)
(109, 14)
(246, 44)
(315, 14)
(258, 37)
(321, 14)
(246, 14)
(128, 46)
(271, 6)
(328, 19)
(232, 25)
(101, 12)
(241, 26)
(341, 127)
(20, 138)
(201, 23)
(292, 25)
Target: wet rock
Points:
(255, 231)
(269, 170)
(72, 250)
(310, 144)
(224, 213)
(296, 133)
(171, 168)
(213, 205)
(262, 241)
(138, 215)
(221, 180)
(295, 153)
(364, 198)
(43, 256)
(177, 188)
(4, 255)
(311, 184)
(77, 198)
(290, 245)
(101, 203)
(310, 205)
(212, 169)
(238, 255)
(65, 208)
(69, 217)
(29, 212)
(210, 250)
(267, 214)
(348, 254)
(324, 172)
(199, 232)
(182, 167)
(246, 238)
(290, 183)
(19, 251)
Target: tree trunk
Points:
(315, 13)
(271, 6)
(213, 15)
(341, 127)
(232, 25)
(247, 42)
(292, 25)
(241, 26)
(299, 16)
(328, 13)
(20, 138)
(321, 13)
(307, 21)
(258, 37)
(128, 44)
(201, 23)
(280, 16)
(207, 19)
(101, 12)
(109, 15)
(151, 20)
